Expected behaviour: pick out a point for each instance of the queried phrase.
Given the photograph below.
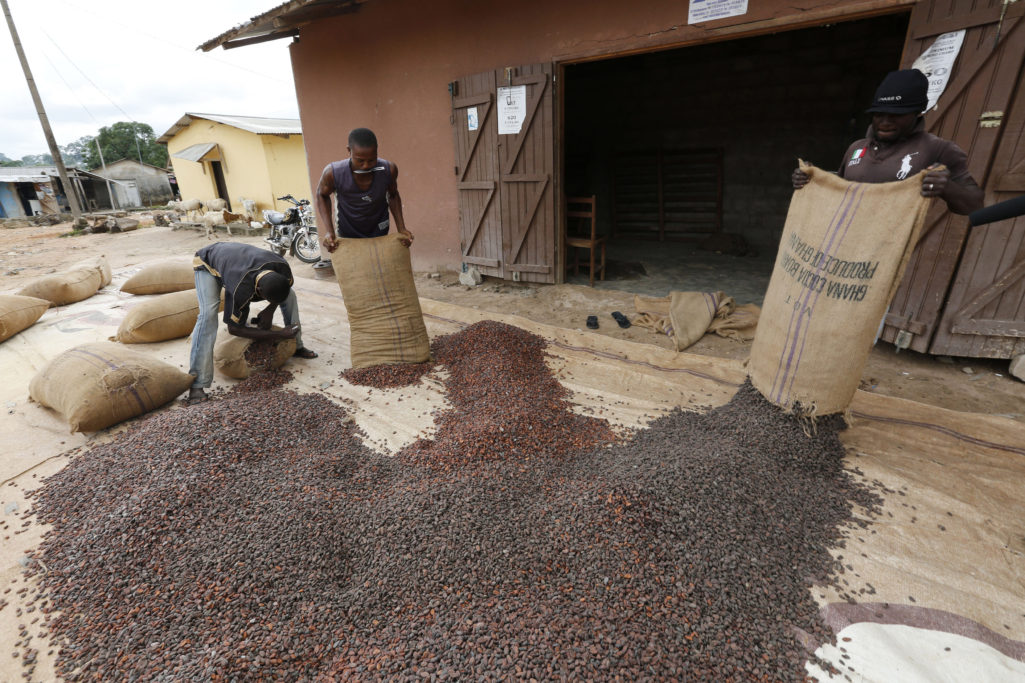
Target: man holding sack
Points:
(373, 267)
(846, 242)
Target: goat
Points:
(215, 204)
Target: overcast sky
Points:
(97, 62)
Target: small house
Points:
(151, 183)
(236, 157)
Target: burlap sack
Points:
(168, 316)
(230, 355)
(687, 316)
(160, 278)
(98, 385)
(842, 255)
(18, 313)
(65, 287)
(100, 263)
(386, 325)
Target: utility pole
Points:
(99, 150)
(55, 152)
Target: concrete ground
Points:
(973, 385)
(657, 268)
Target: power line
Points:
(190, 50)
(98, 89)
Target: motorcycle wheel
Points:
(306, 247)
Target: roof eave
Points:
(282, 21)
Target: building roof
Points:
(254, 124)
(280, 22)
(37, 174)
(130, 161)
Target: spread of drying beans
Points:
(388, 376)
(255, 537)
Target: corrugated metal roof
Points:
(280, 22)
(254, 124)
(195, 152)
(37, 174)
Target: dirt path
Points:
(973, 385)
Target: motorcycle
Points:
(293, 230)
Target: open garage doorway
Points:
(689, 151)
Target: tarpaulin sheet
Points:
(939, 576)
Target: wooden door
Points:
(985, 312)
(530, 241)
(983, 80)
(476, 146)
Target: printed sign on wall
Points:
(708, 10)
(938, 61)
(512, 109)
(471, 118)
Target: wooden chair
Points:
(579, 235)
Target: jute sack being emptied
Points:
(386, 325)
(98, 385)
(76, 283)
(173, 275)
(168, 316)
(18, 313)
(842, 256)
(230, 354)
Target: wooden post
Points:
(55, 152)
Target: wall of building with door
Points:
(402, 92)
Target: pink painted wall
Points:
(388, 65)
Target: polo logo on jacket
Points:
(856, 157)
(905, 166)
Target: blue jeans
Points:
(204, 334)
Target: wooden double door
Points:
(506, 176)
(963, 293)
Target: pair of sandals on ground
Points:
(621, 320)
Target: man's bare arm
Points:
(325, 216)
(395, 205)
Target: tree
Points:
(74, 153)
(119, 140)
(36, 160)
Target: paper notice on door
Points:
(708, 10)
(512, 109)
(938, 61)
(471, 119)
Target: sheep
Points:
(189, 207)
(215, 204)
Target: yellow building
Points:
(236, 157)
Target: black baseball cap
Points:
(901, 92)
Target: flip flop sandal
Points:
(305, 353)
(196, 400)
(623, 321)
(592, 322)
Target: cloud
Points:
(96, 63)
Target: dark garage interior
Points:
(689, 151)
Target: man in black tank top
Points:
(366, 189)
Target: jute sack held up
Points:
(168, 316)
(66, 287)
(98, 385)
(386, 325)
(230, 355)
(842, 256)
(19, 312)
(163, 277)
